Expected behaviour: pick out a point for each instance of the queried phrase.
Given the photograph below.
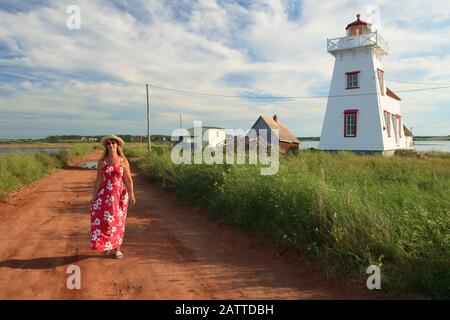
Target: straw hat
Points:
(112, 137)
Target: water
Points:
(441, 146)
(27, 150)
(308, 144)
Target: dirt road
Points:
(171, 250)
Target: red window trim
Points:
(355, 113)
(352, 73)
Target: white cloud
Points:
(99, 72)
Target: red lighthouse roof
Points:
(357, 22)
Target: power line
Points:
(425, 125)
(168, 106)
(163, 101)
(218, 94)
(178, 91)
(423, 83)
(424, 89)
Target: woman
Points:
(109, 201)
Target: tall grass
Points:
(139, 150)
(17, 169)
(345, 211)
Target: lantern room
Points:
(358, 27)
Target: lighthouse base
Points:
(385, 153)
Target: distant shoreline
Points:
(432, 138)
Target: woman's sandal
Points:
(119, 254)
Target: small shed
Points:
(287, 140)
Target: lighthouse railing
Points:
(361, 40)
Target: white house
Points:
(211, 136)
(362, 114)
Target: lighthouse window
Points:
(380, 74)
(387, 121)
(350, 123)
(352, 80)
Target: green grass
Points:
(18, 169)
(138, 150)
(344, 211)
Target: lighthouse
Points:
(362, 114)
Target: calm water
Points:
(308, 144)
(442, 146)
(27, 150)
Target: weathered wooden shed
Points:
(287, 141)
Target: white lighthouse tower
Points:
(362, 114)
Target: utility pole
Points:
(149, 144)
(181, 123)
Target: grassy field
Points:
(18, 169)
(344, 211)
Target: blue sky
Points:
(92, 81)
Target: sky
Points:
(91, 80)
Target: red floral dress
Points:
(109, 209)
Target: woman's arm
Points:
(98, 180)
(129, 181)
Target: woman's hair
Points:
(119, 152)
